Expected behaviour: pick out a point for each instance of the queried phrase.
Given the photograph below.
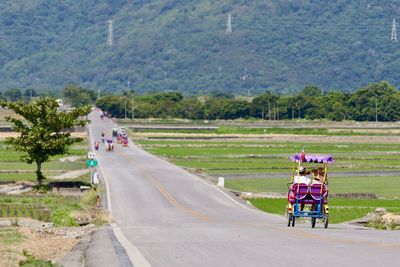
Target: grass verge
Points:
(340, 210)
(382, 186)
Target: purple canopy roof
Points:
(314, 158)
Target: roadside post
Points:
(221, 182)
(94, 177)
(91, 163)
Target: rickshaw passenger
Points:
(319, 175)
(302, 178)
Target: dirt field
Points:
(13, 134)
(39, 239)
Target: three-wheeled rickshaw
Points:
(308, 197)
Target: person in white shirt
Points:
(302, 178)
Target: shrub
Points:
(62, 218)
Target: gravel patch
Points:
(15, 189)
(70, 159)
(71, 174)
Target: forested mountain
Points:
(182, 44)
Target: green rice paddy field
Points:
(43, 207)
(245, 157)
(13, 170)
(242, 157)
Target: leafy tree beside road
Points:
(44, 130)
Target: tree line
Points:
(374, 102)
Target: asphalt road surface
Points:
(165, 216)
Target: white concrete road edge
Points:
(133, 252)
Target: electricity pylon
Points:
(394, 32)
(110, 40)
(229, 25)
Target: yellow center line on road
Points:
(165, 193)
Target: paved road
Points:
(168, 217)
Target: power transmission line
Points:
(363, 24)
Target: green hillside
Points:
(182, 44)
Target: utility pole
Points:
(292, 113)
(394, 32)
(274, 113)
(110, 40)
(299, 112)
(229, 25)
(125, 109)
(133, 107)
(262, 112)
(277, 112)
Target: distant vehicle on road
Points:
(110, 145)
(114, 132)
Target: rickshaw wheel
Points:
(326, 222)
(293, 221)
(313, 221)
